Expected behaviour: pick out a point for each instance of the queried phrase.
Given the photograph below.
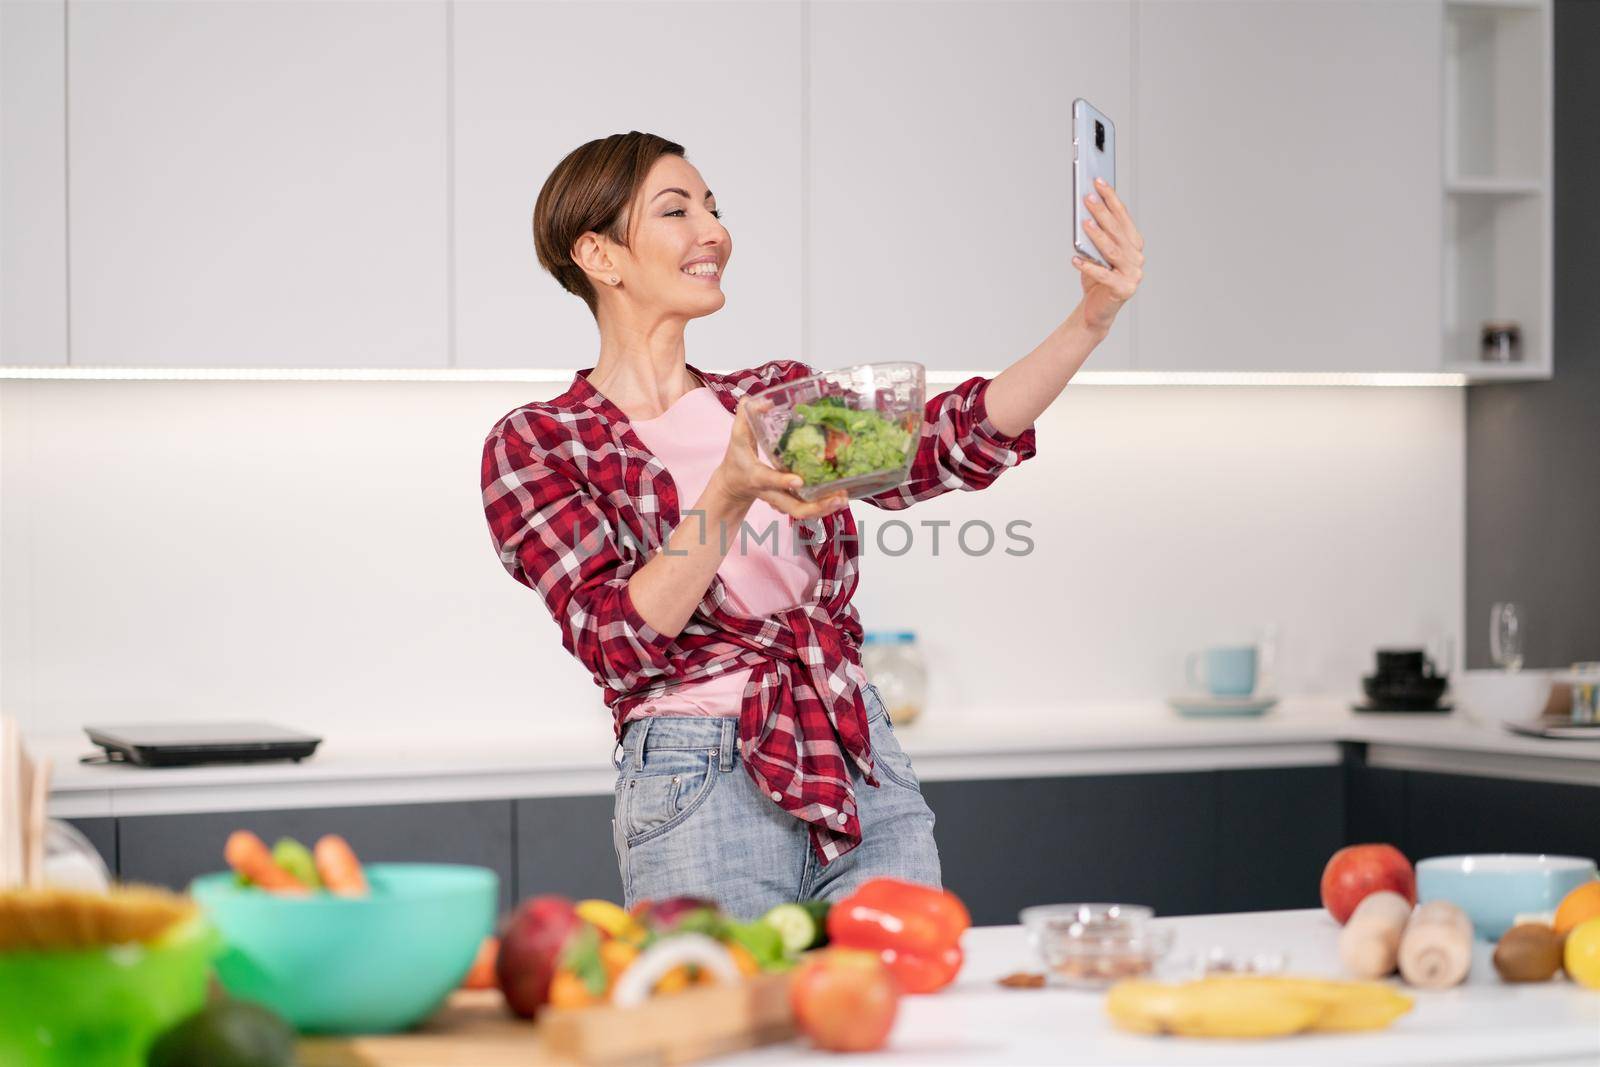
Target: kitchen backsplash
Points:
(316, 553)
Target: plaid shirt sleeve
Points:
(959, 448)
(552, 538)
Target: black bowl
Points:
(1400, 663)
(1421, 691)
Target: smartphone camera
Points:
(1099, 136)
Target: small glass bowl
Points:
(1094, 946)
(894, 391)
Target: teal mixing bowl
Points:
(372, 964)
(1494, 888)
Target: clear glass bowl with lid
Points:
(894, 664)
(854, 428)
(1094, 946)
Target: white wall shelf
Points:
(1503, 5)
(1495, 187)
(1484, 371)
(1498, 171)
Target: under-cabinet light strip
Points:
(543, 374)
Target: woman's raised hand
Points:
(1112, 231)
(746, 477)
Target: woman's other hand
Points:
(1112, 231)
(744, 477)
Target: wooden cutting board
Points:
(474, 1029)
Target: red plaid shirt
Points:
(576, 504)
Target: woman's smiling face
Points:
(674, 228)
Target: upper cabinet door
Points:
(534, 81)
(1288, 160)
(33, 187)
(258, 184)
(940, 176)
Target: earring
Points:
(614, 279)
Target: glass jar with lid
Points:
(894, 664)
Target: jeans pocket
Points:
(664, 793)
(888, 756)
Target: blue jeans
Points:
(689, 821)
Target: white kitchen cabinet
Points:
(533, 81)
(1288, 159)
(258, 184)
(939, 176)
(33, 204)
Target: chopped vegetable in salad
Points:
(826, 441)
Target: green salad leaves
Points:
(826, 441)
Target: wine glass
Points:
(1506, 621)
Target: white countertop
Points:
(1483, 1021)
(1135, 737)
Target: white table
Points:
(976, 1021)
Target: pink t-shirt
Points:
(762, 576)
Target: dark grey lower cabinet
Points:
(564, 846)
(1275, 830)
(1450, 813)
(1375, 801)
(1007, 843)
(1183, 843)
(171, 849)
(102, 834)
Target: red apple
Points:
(1359, 870)
(530, 948)
(844, 999)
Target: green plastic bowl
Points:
(101, 1007)
(349, 965)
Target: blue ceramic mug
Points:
(1225, 671)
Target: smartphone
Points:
(1094, 155)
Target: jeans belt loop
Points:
(642, 729)
(725, 746)
(616, 755)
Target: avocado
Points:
(227, 1033)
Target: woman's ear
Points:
(593, 256)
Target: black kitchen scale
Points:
(182, 744)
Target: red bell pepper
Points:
(915, 928)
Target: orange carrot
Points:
(482, 975)
(249, 855)
(338, 867)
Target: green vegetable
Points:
(295, 858)
(761, 940)
(227, 1033)
(581, 955)
(708, 921)
(826, 441)
(794, 924)
(819, 912)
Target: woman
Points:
(757, 764)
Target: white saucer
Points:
(1204, 705)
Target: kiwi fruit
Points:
(1530, 952)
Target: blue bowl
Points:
(372, 964)
(1493, 889)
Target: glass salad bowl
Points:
(853, 429)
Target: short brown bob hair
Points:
(591, 189)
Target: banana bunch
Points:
(1241, 1006)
